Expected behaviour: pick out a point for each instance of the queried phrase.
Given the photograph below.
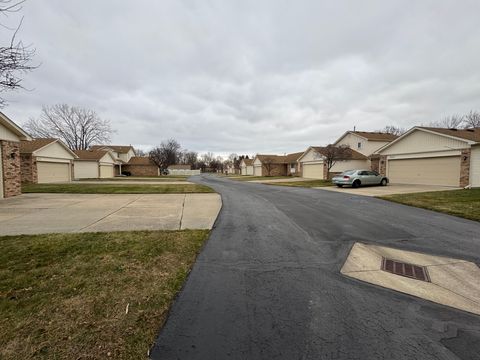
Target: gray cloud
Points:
(252, 76)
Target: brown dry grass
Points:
(64, 296)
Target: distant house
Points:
(94, 164)
(181, 169)
(365, 142)
(10, 176)
(46, 161)
(314, 166)
(141, 166)
(277, 165)
(122, 154)
(432, 156)
(246, 167)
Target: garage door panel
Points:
(106, 171)
(313, 171)
(50, 172)
(257, 170)
(426, 171)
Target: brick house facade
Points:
(28, 169)
(141, 166)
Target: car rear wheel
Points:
(356, 184)
(383, 182)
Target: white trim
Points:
(429, 154)
(61, 143)
(17, 130)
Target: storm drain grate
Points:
(403, 269)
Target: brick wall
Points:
(297, 170)
(465, 167)
(141, 170)
(275, 170)
(28, 169)
(11, 168)
(379, 164)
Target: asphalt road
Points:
(268, 285)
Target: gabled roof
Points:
(471, 136)
(140, 160)
(274, 159)
(30, 147)
(14, 128)
(247, 162)
(91, 154)
(354, 155)
(370, 136)
(117, 148)
(291, 158)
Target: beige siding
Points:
(420, 141)
(311, 156)
(54, 150)
(366, 147)
(341, 166)
(313, 171)
(106, 171)
(1, 173)
(6, 134)
(475, 167)
(107, 159)
(426, 171)
(126, 156)
(85, 169)
(51, 172)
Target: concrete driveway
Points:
(61, 213)
(391, 189)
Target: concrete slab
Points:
(287, 179)
(58, 213)
(200, 211)
(132, 182)
(391, 189)
(453, 282)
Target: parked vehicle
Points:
(356, 178)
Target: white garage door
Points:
(50, 172)
(313, 171)
(106, 171)
(257, 170)
(426, 171)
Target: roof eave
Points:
(17, 130)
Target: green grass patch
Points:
(305, 184)
(462, 203)
(116, 188)
(64, 296)
(138, 178)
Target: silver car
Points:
(356, 178)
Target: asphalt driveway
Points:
(268, 285)
(58, 213)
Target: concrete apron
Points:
(451, 282)
(60, 213)
(387, 190)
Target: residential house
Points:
(314, 166)
(292, 164)
(10, 175)
(246, 167)
(365, 142)
(141, 166)
(432, 156)
(122, 154)
(94, 164)
(46, 161)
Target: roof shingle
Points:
(116, 148)
(29, 147)
(90, 154)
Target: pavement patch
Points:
(451, 282)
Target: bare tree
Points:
(15, 57)
(332, 154)
(79, 128)
(450, 122)
(394, 130)
(140, 152)
(166, 154)
(472, 119)
(267, 164)
(188, 158)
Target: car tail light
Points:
(346, 177)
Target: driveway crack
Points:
(181, 215)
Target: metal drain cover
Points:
(404, 269)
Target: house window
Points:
(359, 145)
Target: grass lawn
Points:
(133, 178)
(306, 183)
(250, 178)
(116, 189)
(65, 296)
(463, 203)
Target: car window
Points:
(374, 173)
(363, 173)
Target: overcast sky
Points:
(251, 76)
